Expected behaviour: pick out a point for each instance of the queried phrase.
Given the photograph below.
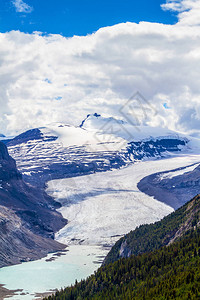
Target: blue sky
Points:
(77, 17)
(50, 78)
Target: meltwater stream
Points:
(100, 208)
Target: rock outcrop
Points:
(28, 219)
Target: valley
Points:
(101, 203)
(99, 150)
(80, 189)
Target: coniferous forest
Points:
(169, 272)
(150, 237)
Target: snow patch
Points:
(75, 136)
(125, 130)
(177, 173)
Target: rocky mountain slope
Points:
(18, 243)
(63, 151)
(174, 188)
(28, 219)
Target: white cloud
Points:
(22, 7)
(98, 73)
(188, 10)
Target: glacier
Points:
(93, 170)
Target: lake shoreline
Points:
(4, 292)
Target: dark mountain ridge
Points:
(28, 219)
(173, 190)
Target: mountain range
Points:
(98, 144)
(29, 217)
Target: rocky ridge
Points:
(28, 219)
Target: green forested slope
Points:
(151, 237)
(170, 272)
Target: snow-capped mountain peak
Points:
(122, 129)
(99, 144)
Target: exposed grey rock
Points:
(28, 219)
(175, 191)
(19, 244)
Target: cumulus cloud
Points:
(46, 79)
(188, 10)
(22, 7)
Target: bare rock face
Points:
(174, 191)
(18, 244)
(8, 168)
(28, 219)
